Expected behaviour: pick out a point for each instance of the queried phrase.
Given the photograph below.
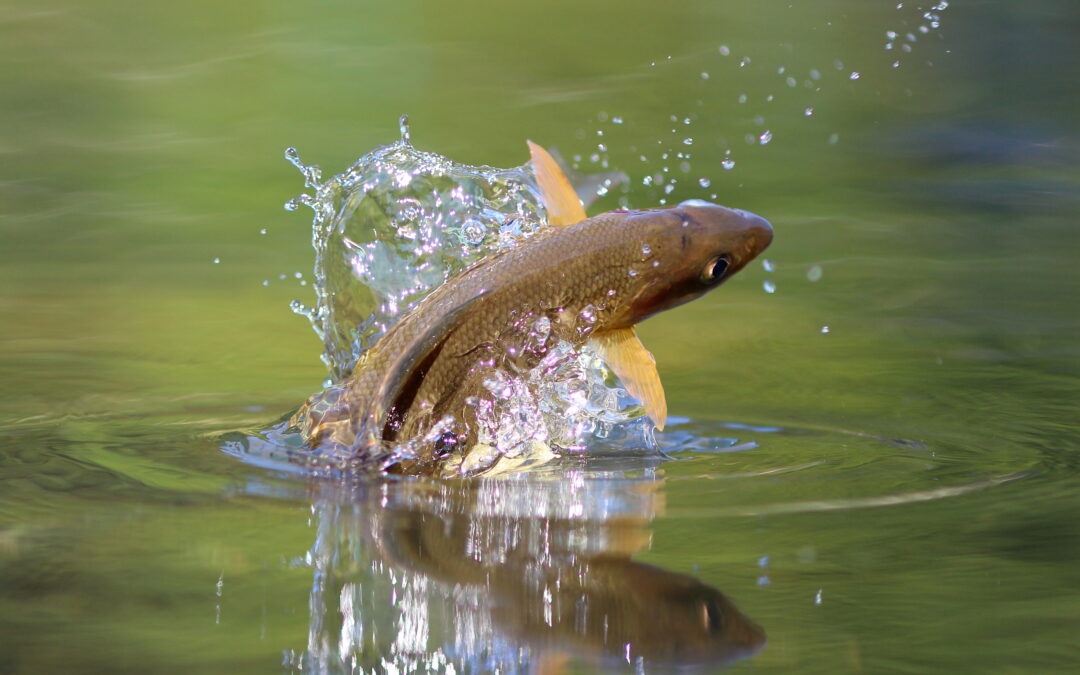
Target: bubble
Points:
(769, 286)
(704, 182)
(742, 98)
(814, 273)
(704, 75)
(724, 51)
(834, 139)
(473, 231)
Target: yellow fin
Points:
(562, 203)
(636, 369)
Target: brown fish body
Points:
(603, 274)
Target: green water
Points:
(902, 494)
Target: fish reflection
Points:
(523, 574)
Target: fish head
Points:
(692, 248)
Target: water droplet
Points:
(262, 231)
(814, 273)
(854, 75)
(791, 82)
(724, 51)
(669, 188)
(744, 61)
(728, 163)
(403, 127)
(298, 275)
(817, 597)
(616, 120)
(824, 330)
(769, 286)
(704, 182)
(815, 74)
(834, 139)
(631, 273)
(742, 98)
(765, 137)
(217, 261)
(291, 205)
(704, 75)
(266, 282)
(768, 265)
(646, 250)
(809, 111)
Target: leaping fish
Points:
(591, 279)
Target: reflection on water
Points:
(511, 575)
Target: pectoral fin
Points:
(562, 203)
(636, 369)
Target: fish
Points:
(584, 280)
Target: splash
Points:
(394, 227)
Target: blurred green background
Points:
(926, 213)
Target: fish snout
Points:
(759, 231)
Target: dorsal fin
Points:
(562, 203)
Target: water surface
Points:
(875, 464)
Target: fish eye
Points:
(714, 270)
(712, 617)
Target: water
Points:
(894, 493)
